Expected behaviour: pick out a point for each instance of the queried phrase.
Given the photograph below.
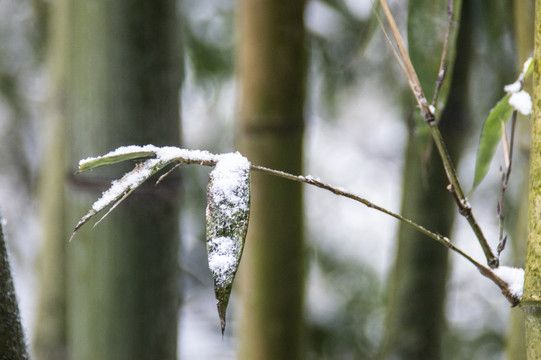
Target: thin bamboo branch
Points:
(464, 207)
(411, 75)
(504, 287)
(443, 61)
(341, 192)
(486, 272)
(505, 175)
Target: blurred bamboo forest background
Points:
(327, 99)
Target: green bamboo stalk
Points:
(50, 333)
(124, 81)
(531, 300)
(523, 14)
(271, 71)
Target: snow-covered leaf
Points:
(123, 153)
(228, 209)
(121, 188)
(228, 202)
(490, 138)
(160, 157)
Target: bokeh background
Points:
(356, 132)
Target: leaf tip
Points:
(222, 306)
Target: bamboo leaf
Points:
(490, 138)
(121, 154)
(228, 210)
(527, 67)
(121, 188)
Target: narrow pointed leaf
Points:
(228, 210)
(527, 68)
(121, 154)
(121, 188)
(490, 138)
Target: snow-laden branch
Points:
(228, 206)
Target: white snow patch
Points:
(513, 88)
(223, 258)
(169, 153)
(519, 98)
(144, 169)
(228, 194)
(121, 151)
(526, 65)
(166, 153)
(512, 276)
(522, 102)
(228, 180)
(127, 182)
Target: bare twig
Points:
(410, 73)
(464, 207)
(443, 61)
(342, 192)
(504, 287)
(508, 156)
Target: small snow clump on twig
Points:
(512, 276)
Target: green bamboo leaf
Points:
(228, 210)
(161, 157)
(121, 154)
(490, 138)
(527, 68)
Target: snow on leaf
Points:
(131, 152)
(223, 254)
(228, 202)
(520, 100)
(228, 208)
(121, 188)
(515, 99)
(123, 153)
(513, 88)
